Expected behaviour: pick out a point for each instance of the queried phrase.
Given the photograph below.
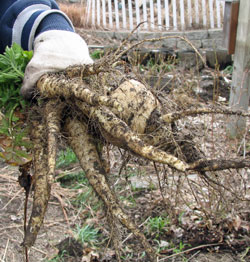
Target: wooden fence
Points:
(155, 14)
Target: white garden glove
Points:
(53, 51)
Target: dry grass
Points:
(77, 14)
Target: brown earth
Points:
(60, 222)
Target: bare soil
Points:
(62, 217)
(12, 198)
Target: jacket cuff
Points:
(54, 21)
(24, 30)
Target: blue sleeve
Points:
(22, 20)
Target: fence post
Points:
(110, 14)
(197, 18)
(218, 5)
(240, 90)
(88, 11)
(117, 22)
(166, 14)
(211, 12)
(152, 22)
(145, 16)
(93, 12)
(124, 19)
(104, 13)
(174, 14)
(130, 13)
(159, 14)
(98, 11)
(189, 13)
(137, 12)
(204, 13)
(182, 14)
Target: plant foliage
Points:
(13, 132)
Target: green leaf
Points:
(12, 129)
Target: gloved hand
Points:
(53, 51)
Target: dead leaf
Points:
(90, 256)
(236, 223)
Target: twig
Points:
(39, 250)
(62, 206)
(5, 250)
(8, 177)
(17, 193)
(189, 250)
(157, 40)
(26, 251)
(159, 183)
(10, 227)
(195, 254)
(51, 224)
(127, 38)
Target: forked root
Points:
(44, 166)
(117, 132)
(118, 129)
(84, 147)
(40, 182)
(54, 86)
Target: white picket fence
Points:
(155, 14)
